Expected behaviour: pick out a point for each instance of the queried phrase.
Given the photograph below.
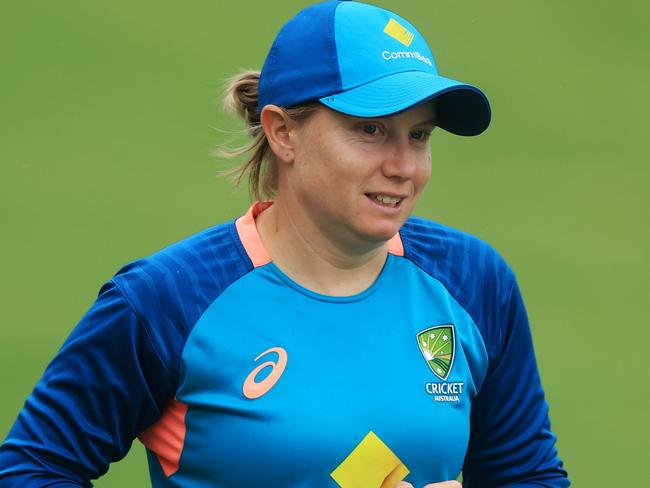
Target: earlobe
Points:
(277, 126)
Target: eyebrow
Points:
(427, 121)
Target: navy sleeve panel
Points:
(171, 289)
(92, 396)
(511, 444)
(120, 364)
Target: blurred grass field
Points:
(108, 115)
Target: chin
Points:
(380, 234)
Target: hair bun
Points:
(241, 97)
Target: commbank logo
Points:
(254, 389)
(371, 463)
(389, 55)
(398, 32)
(437, 345)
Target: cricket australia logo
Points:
(438, 346)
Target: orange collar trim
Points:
(256, 251)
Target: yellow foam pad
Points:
(370, 464)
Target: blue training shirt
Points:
(233, 375)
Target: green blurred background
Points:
(109, 112)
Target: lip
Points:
(388, 194)
(386, 208)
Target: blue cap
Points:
(364, 61)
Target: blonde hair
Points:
(241, 97)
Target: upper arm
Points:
(511, 443)
(103, 387)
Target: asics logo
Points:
(253, 389)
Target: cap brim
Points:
(461, 108)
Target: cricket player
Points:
(327, 337)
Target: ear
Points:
(278, 127)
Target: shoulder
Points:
(450, 253)
(472, 271)
(211, 258)
(170, 289)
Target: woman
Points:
(325, 338)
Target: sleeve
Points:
(105, 385)
(511, 444)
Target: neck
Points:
(320, 262)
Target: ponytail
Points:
(241, 97)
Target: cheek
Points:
(424, 173)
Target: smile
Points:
(385, 199)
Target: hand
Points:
(444, 484)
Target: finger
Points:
(445, 484)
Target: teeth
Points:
(386, 200)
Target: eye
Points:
(420, 134)
(370, 129)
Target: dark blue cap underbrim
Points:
(460, 108)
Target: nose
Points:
(402, 160)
